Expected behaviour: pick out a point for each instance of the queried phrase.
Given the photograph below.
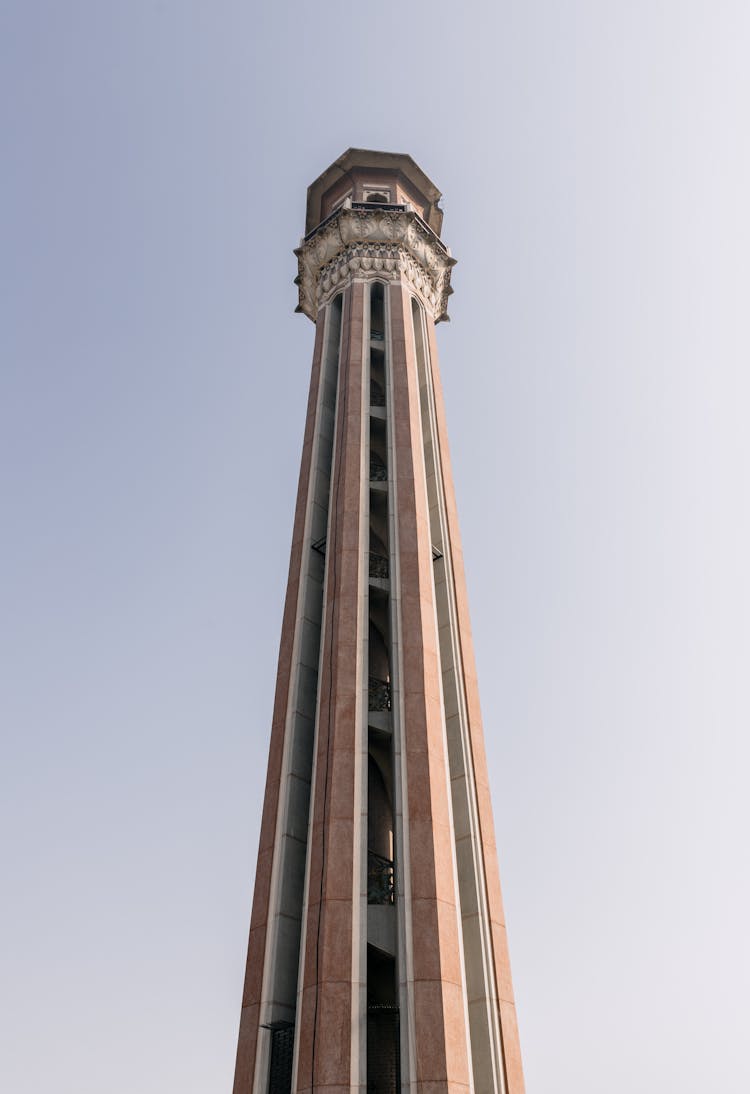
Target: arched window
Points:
(376, 194)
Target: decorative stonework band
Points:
(368, 244)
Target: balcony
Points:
(379, 568)
(378, 470)
(378, 694)
(376, 206)
(282, 1053)
(383, 1049)
(381, 879)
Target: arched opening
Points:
(379, 812)
(377, 311)
(379, 667)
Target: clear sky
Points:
(595, 165)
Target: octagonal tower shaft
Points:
(377, 957)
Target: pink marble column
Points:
(330, 976)
(440, 1033)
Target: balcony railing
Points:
(282, 1053)
(379, 566)
(383, 1049)
(378, 470)
(379, 694)
(381, 881)
(377, 395)
(373, 205)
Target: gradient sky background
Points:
(594, 161)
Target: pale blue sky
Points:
(595, 165)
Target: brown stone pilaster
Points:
(330, 976)
(503, 984)
(440, 1032)
(251, 999)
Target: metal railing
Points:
(282, 1054)
(378, 694)
(319, 227)
(379, 567)
(383, 1049)
(378, 470)
(373, 205)
(377, 395)
(381, 879)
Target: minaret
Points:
(377, 958)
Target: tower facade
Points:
(377, 957)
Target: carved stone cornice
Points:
(373, 243)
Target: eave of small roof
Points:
(363, 157)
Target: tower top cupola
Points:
(388, 178)
(373, 215)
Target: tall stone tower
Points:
(377, 958)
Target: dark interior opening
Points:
(383, 1044)
(282, 1055)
